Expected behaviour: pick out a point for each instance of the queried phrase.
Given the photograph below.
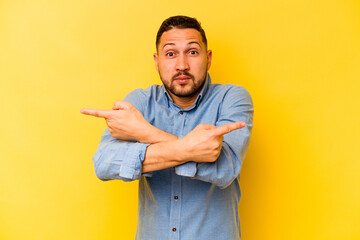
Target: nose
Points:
(182, 63)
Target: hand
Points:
(124, 121)
(203, 143)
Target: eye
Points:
(170, 54)
(193, 52)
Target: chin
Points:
(188, 93)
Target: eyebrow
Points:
(189, 43)
(194, 42)
(168, 44)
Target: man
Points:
(185, 141)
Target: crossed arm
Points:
(202, 144)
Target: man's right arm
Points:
(154, 149)
(145, 148)
(129, 160)
(121, 151)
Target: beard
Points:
(184, 91)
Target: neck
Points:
(184, 102)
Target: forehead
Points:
(177, 36)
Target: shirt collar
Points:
(201, 95)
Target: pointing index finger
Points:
(96, 112)
(229, 128)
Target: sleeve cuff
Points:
(131, 165)
(187, 169)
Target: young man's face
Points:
(182, 61)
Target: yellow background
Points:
(299, 59)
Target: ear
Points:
(156, 61)
(209, 57)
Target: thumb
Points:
(204, 126)
(122, 105)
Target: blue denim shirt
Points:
(193, 200)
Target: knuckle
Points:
(199, 127)
(213, 158)
(214, 135)
(130, 107)
(215, 145)
(127, 104)
(117, 103)
(113, 133)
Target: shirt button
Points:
(176, 197)
(174, 229)
(181, 112)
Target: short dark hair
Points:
(180, 22)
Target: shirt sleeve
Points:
(236, 106)
(118, 159)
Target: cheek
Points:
(166, 68)
(199, 67)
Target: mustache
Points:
(184, 73)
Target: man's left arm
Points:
(236, 106)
